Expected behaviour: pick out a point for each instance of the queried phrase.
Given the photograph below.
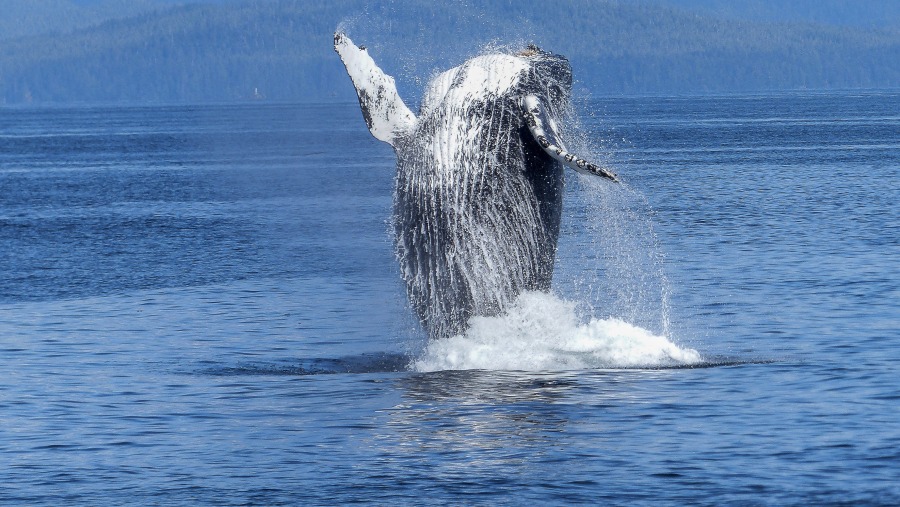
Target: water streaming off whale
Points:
(479, 185)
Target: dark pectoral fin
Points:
(544, 132)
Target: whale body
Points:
(479, 184)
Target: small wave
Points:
(381, 362)
(542, 332)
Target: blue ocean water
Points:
(200, 305)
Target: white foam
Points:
(542, 332)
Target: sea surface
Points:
(201, 306)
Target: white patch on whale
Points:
(479, 77)
(386, 115)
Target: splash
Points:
(542, 332)
(610, 258)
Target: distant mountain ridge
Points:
(223, 50)
(25, 18)
(854, 13)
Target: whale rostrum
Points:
(478, 190)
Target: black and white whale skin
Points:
(479, 180)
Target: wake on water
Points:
(542, 332)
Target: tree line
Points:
(281, 50)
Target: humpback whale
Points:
(478, 195)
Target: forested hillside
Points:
(19, 18)
(281, 50)
(860, 13)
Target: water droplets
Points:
(542, 332)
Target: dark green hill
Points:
(281, 49)
(21, 18)
(860, 13)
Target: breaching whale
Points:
(479, 182)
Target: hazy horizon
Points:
(170, 51)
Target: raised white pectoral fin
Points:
(385, 113)
(544, 132)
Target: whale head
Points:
(548, 75)
(512, 74)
